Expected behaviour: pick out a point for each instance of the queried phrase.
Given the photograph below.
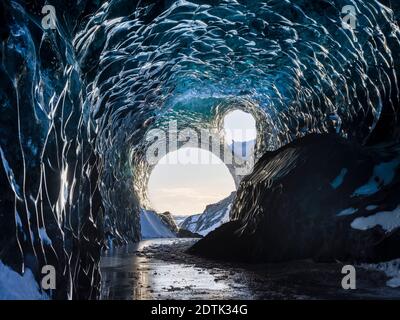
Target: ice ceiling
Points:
(77, 102)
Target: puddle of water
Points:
(125, 275)
(183, 281)
(161, 272)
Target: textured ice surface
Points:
(45, 238)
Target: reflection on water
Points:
(128, 274)
(159, 269)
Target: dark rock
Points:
(183, 233)
(314, 198)
(167, 219)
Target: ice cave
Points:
(89, 89)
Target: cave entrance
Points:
(200, 172)
(185, 181)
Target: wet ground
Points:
(160, 269)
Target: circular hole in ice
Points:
(185, 181)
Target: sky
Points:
(239, 126)
(186, 189)
(184, 184)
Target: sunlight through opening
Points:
(185, 181)
(240, 132)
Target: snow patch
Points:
(337, 182)
(220, 218)
(347, 212)
(383, 175)
(388, 220)
(14, 286)
(190, 223)
(213, 216)
(390, 268)
(45, 238)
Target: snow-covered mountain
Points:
(157, 225)
(213, 216)
(180, 219)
